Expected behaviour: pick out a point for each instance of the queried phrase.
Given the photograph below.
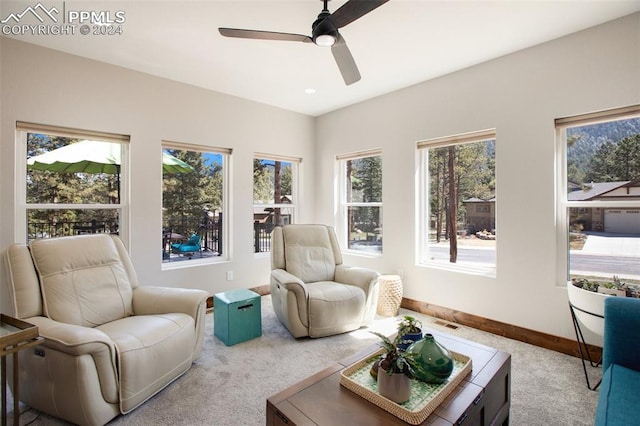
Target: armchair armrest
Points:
(364, 278)
(72, 339)
(621, 332)
(76, 340)
(162, 300)
(288, 281)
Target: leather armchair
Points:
(110, 344)
(313, 293)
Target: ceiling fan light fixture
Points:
(324, 33)
(325, 40)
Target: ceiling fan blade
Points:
(345, 61)
(354, 9)
(264, 35)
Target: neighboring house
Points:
(480, 214)
(266, 215)
(614, 220)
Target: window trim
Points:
(227, 223)
(562, 203)
(343, 206)
(423, 204)
(21, 205)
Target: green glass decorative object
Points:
(434, 361)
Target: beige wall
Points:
(49, 87)
(519, 95)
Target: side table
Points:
(390, 295)
(237, 316)
(15, 335)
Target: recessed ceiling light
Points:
(310, 91)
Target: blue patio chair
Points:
(189, 248)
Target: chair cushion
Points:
(83, 280)
(309, 253)
(334, 308)
(152, 351)
(617, 398)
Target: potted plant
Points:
(393, 369)
(409, 330)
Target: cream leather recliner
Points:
(313, 293)
(110, 344)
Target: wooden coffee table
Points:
(483, 398)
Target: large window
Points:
(457, 202)
(599, 196)
(194, 203)
(360, 221)
(75, 182)
(274, 196)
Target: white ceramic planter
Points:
(589, 309)
(396, 387)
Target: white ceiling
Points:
(401, 43)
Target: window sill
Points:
(482, 271)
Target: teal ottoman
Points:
(236, 316)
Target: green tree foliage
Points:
(615, 161)
(262, 188)
(188, 197)
(369, 178)
(265, 179)
(48, 187)
(365, 178)
(586, 142)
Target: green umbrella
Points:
(95, 157)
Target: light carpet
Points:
(230, 385)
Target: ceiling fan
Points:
(324, 32)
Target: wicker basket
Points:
(425, 397)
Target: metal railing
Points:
(262, 237)
(38, 229)
(210, 231)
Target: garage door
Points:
(621, 221)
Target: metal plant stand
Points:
(582, 345)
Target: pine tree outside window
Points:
(457, 203)
(360, 221)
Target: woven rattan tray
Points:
(425, 397)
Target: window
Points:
(75, 182)
(457, 202)
(194, 203)
(274, 196)
(360, 220)
(598, 214)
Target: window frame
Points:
(423, 209)
(295, 190)
(342, 221)
(227, 222)
(563, 205)
(21, 205)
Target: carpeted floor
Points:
(230, 385)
